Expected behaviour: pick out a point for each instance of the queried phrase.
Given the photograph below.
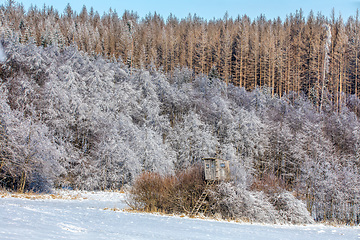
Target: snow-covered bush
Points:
(237, 202)
(290, 209)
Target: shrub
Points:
(239, 203)
(292, 210)
(269, 184)
(270, 206)
(169, 194)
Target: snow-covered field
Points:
(90, 217)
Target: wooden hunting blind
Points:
(216, 169)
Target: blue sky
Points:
(208, 9)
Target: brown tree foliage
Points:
(284, 54)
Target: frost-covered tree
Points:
(29, 158)
(192, 140)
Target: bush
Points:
(259, 206)
(269, 184)
(235, 202)
(169, 194)
(292, 210)
(148, 192)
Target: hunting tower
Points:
(216, 169)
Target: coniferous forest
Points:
(92, 101)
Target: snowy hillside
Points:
(68, 119)
(90, 217)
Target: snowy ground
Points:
(90, 217)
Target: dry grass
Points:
(199, 216)
(38, 196)
(337, 223)
(114, 209)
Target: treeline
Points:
(313, 54)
